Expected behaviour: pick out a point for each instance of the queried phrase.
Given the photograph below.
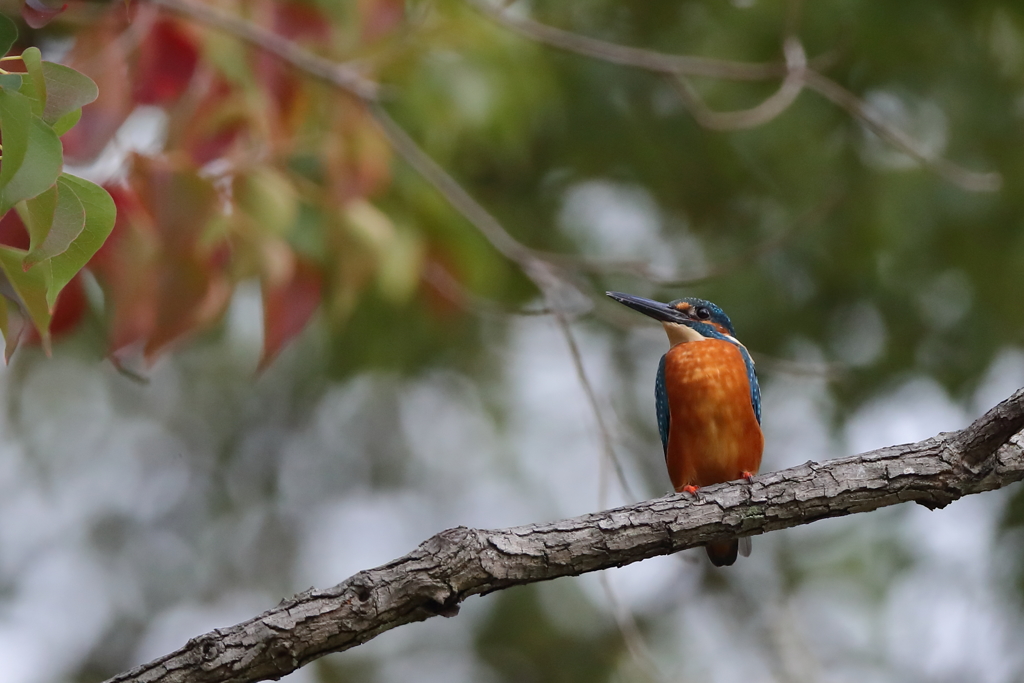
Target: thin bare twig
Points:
(607, 445)
(542, 273)
(452, 191)
(778, 102)
(901, 140)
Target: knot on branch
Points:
(206, 649)
(361, 587)
(283, 656)
(447, 607)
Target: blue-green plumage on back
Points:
(661, 404)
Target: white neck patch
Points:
(681, 334)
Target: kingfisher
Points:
(708, 402)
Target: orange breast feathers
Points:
(714, 435)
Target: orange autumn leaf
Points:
(164, 280)
(288, 306)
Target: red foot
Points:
(747, 475)
(689, 489)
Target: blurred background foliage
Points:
(294, 359)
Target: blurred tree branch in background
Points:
(442, 572)
(795, 72)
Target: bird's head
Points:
(685, 320)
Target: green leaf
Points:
(15, 122)
(30, 288)
(35, 85)
(10, 82)
(269, 198)
(61, 221)
(8, 34)
(37, 215)
(32, 154)
(66, 91)
(99, 221)
(66, 122)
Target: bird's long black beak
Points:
(650, 307)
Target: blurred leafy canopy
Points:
(882, 280)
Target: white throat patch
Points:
(681, 334)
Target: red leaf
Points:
(38, 14)
(205, 149)
(162, 279)
(180, 201)
(285, 95)
(67, 312)
(126, 268)
(12, 231)
(380, 17)
(220, 119)
(301, 20)
(167, 59)
(443, 291)
(288, 306)
(69, 309)
(182, 285)
(131, 219)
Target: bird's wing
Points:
(755, 388)
(661, 405)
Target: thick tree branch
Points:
(449, 567)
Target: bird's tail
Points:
(723, 553)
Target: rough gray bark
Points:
(449, 567)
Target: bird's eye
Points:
(703, 313)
